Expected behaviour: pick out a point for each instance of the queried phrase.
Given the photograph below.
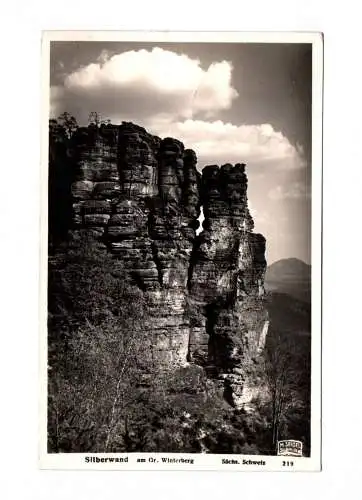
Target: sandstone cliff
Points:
(140, 197)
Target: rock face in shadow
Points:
(140, 197)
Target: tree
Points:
(61, 174)
(285, 366)
(96, 348)
(68, 123)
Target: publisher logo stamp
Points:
(290, 447)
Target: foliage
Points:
(95, 344)
(106, 395)
(63, 128)
(286, 371)
(104, 392)
(61, 170)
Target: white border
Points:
(76, 461)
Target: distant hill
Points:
(288, 270)
(291, 276)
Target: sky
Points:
(230, 102)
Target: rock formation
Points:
(140, 197)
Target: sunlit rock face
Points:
(226, 283)
(141, 197)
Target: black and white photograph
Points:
(182, 251)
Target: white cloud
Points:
(219, 142)
(172, 95)
(146, 82)
(293, 191)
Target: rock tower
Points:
(140, 197)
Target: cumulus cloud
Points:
(218, 141)
(293, 191)
(146, 83)
(172, 95)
